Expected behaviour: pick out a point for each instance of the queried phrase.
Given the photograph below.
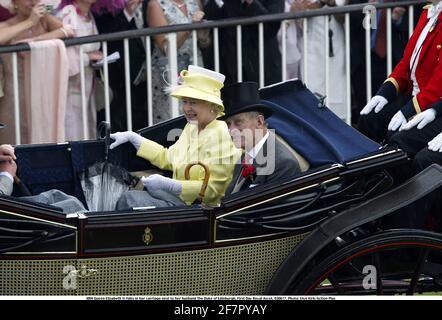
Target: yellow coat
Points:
(213, 146)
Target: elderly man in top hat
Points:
(265, 159)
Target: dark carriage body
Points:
(232, 249)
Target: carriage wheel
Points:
(390, 262)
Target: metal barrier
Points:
(172, 30)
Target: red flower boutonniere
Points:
(248, 171)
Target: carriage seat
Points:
(304, 165)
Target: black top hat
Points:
(243, 97)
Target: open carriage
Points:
(317, 232)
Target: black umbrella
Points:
(104, 182)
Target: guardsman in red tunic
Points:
(415, 83)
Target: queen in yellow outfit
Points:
(204, 139)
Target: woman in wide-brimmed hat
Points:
(204, 139)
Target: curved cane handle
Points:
(206, 177)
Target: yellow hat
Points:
(202, 84)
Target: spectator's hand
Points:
(436, 144)
(132, 5)
(127, 136)
(7, 153)
(301, 5)
(298, 5)
(38, 12)
(69, 30)
(95, 55)
(377, 103)
(158, 182)
(197, 16)
(397, 121)
(397, 13)
(10, 167)
(421, 120)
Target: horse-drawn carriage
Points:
(322, 231)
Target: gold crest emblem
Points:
(147, 236)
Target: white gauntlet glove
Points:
(127, 136)
(421, 120)
(158, 182)
(397, 121)
(436, 144)
(377, 103)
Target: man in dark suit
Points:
(132, 17)
(265, 159)
(217, 10)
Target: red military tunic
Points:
(428, 70)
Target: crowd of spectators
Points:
(30, 20)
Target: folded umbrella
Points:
(103, 183)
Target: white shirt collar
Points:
(254, 152)
(434, 10)
(138, 15)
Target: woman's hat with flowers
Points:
(200, 83)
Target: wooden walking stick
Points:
(205, 182)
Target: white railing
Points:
(171, 32)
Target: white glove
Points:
(158, 182)
(127, 136)
(376, 103)
(436, 144)
(397, 121)
(421, 120)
